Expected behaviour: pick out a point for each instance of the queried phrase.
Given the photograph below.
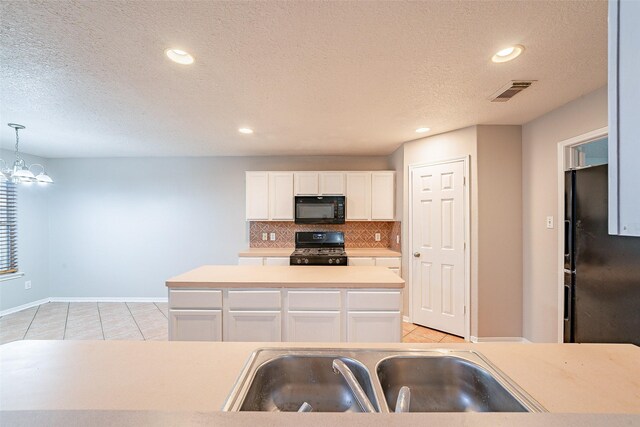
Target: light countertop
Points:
(198, 376)
(279, 276)
(351, 252)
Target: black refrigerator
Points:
(601, 272)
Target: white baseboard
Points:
(108, 299)
(499, 339)
(80, 299)
(24, 306)
(406, 319)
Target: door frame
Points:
(563, 159)
(467, 237)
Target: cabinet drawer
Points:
(276, 261)
(250, 261)
(388, 262)
(250, 300)
(314, 300)
(371, 300)
(187, 298)
(359, 261)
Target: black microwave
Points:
(320, 209)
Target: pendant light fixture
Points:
(20, 172)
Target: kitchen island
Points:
(187, 383)
(286, 303)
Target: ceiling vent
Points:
(510, 90)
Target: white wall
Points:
(540, 139)
(33, 240)
(120, 227)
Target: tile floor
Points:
(127, 321)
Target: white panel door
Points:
(281, 196)
(382, 195)
(313, 326)
(259, 326)
(438, 233)
(373, 326)
(306, 183)
(358, 196)
(332, 183)
(195, 325)
(257, 196)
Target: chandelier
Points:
(20, 172)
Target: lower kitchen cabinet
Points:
(374, 326)
(253, 326)
(195, 325)
(314, 326)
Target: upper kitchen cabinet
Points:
(269, 196)
(332, 183)
(281, 196)
(624, 126)
(257, 196)
(382, 195)
(306, 183)
(358, 196)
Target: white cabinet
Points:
(373, 326)
(624, 127)
(332, 183)
(281, 196)
(250, 261)
(195, 325)
(257, 195)
(361, 261)
(382, 196)
(392, 263)
(314, 326)
(358, 196)
(276, 261)
(258, 326)
(306, 183)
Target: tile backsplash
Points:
(358, 234)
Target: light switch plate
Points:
(549, 222)
(272, 237)
(27, 284)
(377, 237)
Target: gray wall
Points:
(33, 241)
(540, 139)
(121, 226)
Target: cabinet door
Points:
(624, 127)
(250, 261)
(306, 183)
(195, 325)
(358, 196)
(382, 195)
(361, 261)
(332, 183)
(281, 196)
(257, 196)
(276, 261)
(258, 326)
(373, 326)
(313, 326)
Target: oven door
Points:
(320, 210)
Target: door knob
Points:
(416, 254)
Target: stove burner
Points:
(319, 248)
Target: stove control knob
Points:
(330, 260)
(299, 261)
(338, 261)
(306, 261)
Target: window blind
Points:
(8, 228)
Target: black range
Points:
(319, 248)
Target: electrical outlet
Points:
(549, 222)
(377, 237)
(264, 236)
(27, 284)
(272, 237)
(398, 239)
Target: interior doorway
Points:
(438, 258)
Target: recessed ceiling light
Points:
(423, 130)
(508, 53)
(246, 131)
(179, 56)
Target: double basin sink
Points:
(438, 380)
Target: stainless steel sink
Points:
(439, 380)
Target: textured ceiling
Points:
(90, 78)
